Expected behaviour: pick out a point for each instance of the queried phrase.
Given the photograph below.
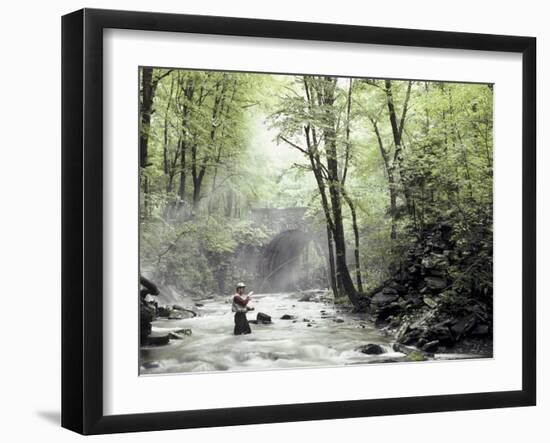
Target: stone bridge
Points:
(294, 257)
(282, 219)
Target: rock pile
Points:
(420, 302)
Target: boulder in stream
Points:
(263, 319)
(157, 340)
(371, 349)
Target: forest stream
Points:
(317, 334)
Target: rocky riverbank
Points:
(424, 307)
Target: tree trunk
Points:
(147, 95)
(331, 265)
(356, 238)
(391, 181)
(343, 277)
(397, 126)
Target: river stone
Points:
(151, 365)
(416, 356)
(371, 349)
(157, 340)
(389, 290)
(288, 317)
(338, 320)
(381, 299)
(263, 318)
(163, 311)
(431, 346)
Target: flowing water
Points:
(321, 334)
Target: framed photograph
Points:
(269, 221)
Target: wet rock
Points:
(199, 305)
(399, 347)
(157, 340)
(174, 336)
(412, 354)
(309, 325)
(338, 320)
(371, 349)
(176, 316)
(389, 290)
(430, 346)
(186, 313)
(147, 315)
(163, 311)
(416, 356)
(288, 317)
(151, 365)
(262, 318)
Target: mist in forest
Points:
(376, 193)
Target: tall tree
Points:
(315, 116)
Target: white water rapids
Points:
(331, 339)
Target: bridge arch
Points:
(294, 257)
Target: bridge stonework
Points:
(287, 259)
(281, 219)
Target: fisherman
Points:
(240, 308)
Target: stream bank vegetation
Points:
(378, 192)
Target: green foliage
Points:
(210, 161)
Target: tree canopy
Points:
(376, 163)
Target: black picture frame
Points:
(82, 219)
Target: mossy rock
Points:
(416, 356)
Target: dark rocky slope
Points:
(426, 306)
